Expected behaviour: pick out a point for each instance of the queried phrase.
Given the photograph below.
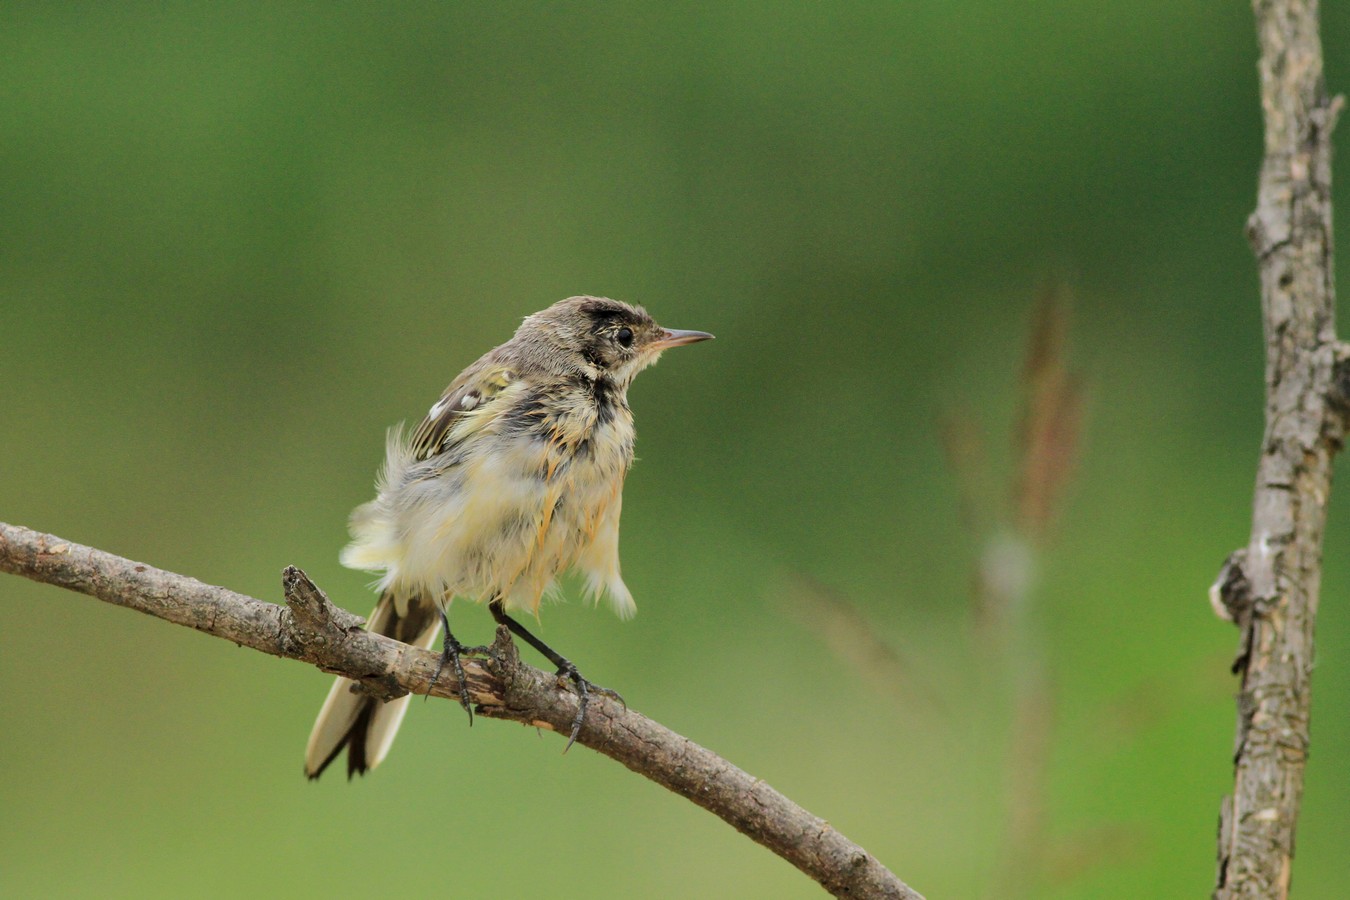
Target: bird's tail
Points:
(362, 724)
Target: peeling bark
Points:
(1270, 588)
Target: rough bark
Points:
(1270, 588)
(312, 630)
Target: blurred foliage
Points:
(237, 241)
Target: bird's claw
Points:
(451, 652)
(584, 690)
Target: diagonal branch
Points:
(1270, 588)
(312, 630)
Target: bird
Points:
(514, 477)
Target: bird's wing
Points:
(468, 396)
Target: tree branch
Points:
(1270, 588)
(312, 630)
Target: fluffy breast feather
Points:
(526, 490)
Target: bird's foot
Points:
(451, 651)
(584, 691)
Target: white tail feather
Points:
(342, 707)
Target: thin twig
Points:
(312, 630)
(1270, 588)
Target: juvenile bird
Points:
(514, 476)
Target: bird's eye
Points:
(624, 336)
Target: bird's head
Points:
(602, 337)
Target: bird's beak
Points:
(672, 337)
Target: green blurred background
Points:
(237, 242)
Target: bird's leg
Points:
(566, 669)
(451, 650)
